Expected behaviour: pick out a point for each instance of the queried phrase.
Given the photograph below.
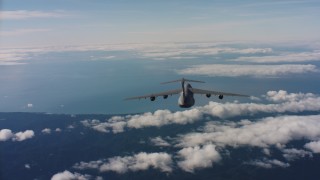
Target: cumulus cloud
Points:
(158, 141)
(281, 102)
(198, 157)
(313, 146)
(288, 57)
(46, 131)
(263, 133)
(282, 96)
(247, 70)
(7, 134)
(21, 136)
(67, 175)
(137, 162)
(268, 163)
(158, 118)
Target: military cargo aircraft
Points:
(186, 92)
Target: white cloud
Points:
(236, 109)
(293, 154)
(247, 70)
(140, 161)
(67, 175)
(21, 136)
(158, 118)
(29, 105)
(158, 141)
(94, 58)
(5, 134)
(263, 133)
(196, 157)
(46, 131)
(313, 146)
(58, 130)
(25, 14)
(89, 165)
(281, 102)
(268, 163)
(27, 166)
(137, 162)
(253, 98)
(282, 96)
(158, 51)
(184, 50)
(289, 57)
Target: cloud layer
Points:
(202, 149)
(207, 146)
(282, 102)
(288, 57)
(266, 132)
(247, 70)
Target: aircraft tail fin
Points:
(182, 80)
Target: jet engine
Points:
(165, 96)
(152, 98)
(208, 95)
(220, 96)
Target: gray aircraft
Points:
(186, 92)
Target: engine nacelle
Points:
(220, 96)
(208, 95)
(165, 96)
(152, 98)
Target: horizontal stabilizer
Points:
(183, 80)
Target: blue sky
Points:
(72, 22)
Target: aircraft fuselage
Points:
(186, 98)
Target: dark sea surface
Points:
(48, 154)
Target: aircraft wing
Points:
(217, 93)
(166, 93)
